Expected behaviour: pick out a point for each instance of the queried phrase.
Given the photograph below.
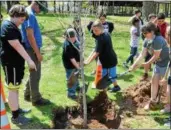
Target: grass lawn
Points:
(53, 84)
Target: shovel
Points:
(106, 80)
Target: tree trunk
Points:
(68, 6)
(54, 6)
(74, 6)
(63, 4)
(10, 4)
(148, 8)
(59, 9)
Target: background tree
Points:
(148, 7)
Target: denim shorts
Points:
(111, 72)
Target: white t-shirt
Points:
(106, 27)
(134, 38)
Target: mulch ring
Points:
(101, 114)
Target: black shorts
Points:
(14, 74)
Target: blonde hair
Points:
(98, 24)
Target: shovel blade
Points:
(104, 82)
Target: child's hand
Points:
(86, 63)
(163, 82)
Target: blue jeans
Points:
(72, 90)
(111, 72)
(132, 54)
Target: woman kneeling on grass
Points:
(164, 80)
(104, 50)
(13, 55)
(157, 47)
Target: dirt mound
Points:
(100, 112)
(139, 94)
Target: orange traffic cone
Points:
(2, 91)
(4, 119)
(98, 75)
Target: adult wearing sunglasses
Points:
(156, 45)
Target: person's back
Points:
(31, 23)
(107, 54)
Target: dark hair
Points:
(161, 16)
(151, 15)
(18, 11)
(137, 11)
(149, 27)
(135, 20)
(102, 15)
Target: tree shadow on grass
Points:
(35, 123)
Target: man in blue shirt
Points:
(33, 43)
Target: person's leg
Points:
(130, 58)
(167, 106)
(33, 83)
(146, 70)
(14, 76)
(134, 54)
(71, 87)
(112, 73)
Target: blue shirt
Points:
(31, 23)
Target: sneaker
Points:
(144, 77)
(125, 65)
(27, 98)
(24, 111)
(41, 102)
(115, 89)
(73, 97)
(20, 120)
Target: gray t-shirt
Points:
(158, 43)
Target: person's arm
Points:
(155, 56)
(20, 49)
(139, 60)
(32, 41)
(167, 71)
(92, 57)
(75, 63)
(130, 20)
(89, 26)
(111, 27)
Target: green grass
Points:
(53, 84)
